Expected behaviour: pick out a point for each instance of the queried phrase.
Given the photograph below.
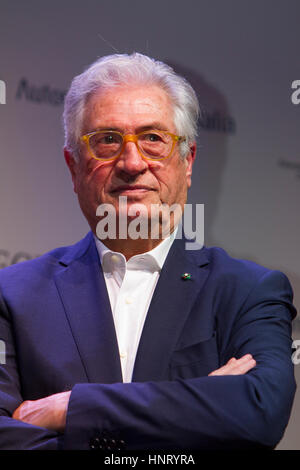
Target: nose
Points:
(130, 161)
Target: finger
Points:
(18, 413)
(231, 361)
(240, 365)
(224, 370)
(236, 366)
(243, 367)
(24, 411)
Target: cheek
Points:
(173, 186)
(93, 177)
(174, 177)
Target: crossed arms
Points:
(244, 404)
(50, 412)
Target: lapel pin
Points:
(186, 276)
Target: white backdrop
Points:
(241, 57)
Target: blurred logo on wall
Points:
(293, 165)
(209, 120)
(43, 94)
(7, 258)
(217, 121)
(2, 92)
(295, 96)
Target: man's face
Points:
(129, 110)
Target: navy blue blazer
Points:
(57, 325)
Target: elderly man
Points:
(139, 343)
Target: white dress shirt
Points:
(130, 287)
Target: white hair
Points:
(122, 69)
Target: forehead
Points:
(129, 108)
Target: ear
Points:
(190, 158)
(72, 165)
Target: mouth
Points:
(131, 190)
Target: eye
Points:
(110, 138)
(152, 137)
(107, 138)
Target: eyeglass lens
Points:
(152, 144)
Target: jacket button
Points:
(120, 445)
(94, 443)
(105, 443)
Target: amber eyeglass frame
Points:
(130, 138)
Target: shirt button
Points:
(122, 355)
(114, 258)
(128, 300)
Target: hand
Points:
(49, 412)
(236, 366)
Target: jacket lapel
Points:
(171, 304)
(83, 292)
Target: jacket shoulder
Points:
(47, 263)
(241, 273)
(222, 260)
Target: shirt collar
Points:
(155, 257)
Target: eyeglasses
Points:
(152, 144)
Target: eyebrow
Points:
(154, 125)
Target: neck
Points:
(131, 247)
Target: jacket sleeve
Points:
(14, 434)
(215, 412)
